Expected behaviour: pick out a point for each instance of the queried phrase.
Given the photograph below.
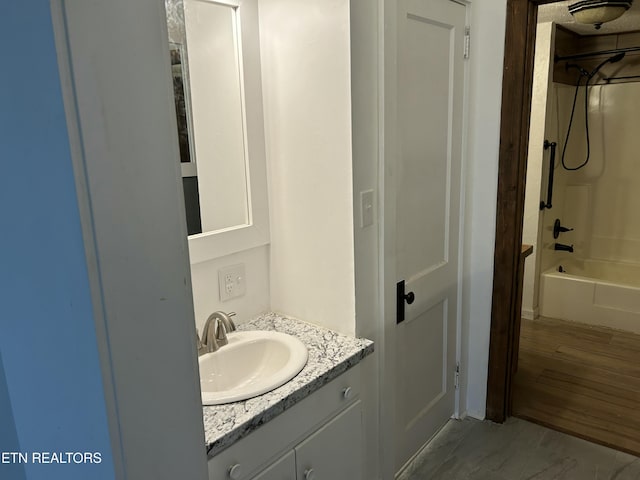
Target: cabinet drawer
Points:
(282, 469)
(253, 452)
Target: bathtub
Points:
(593, 292)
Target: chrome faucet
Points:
(214, 333)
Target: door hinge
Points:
(467, 41)
(457, 377)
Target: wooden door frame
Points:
(514, 138)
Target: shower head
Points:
(615, 58)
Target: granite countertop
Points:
(330, 355)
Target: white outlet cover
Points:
(231, 282)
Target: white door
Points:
(423, 177)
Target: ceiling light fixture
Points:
(597, 12)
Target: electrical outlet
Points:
(231, 282)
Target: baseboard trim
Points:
(530, 314)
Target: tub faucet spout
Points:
(563, 247)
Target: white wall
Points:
(485, 92)
(206, 297)
(306, 89)
(538, 162)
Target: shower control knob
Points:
(558, 228)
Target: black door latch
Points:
(401, 297)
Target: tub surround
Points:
(330, 355)
(595, 292)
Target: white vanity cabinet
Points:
(319, 438)
(333, 452)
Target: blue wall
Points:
(47, 333)
(8, 435)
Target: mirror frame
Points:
(218, 243)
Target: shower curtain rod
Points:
(558, 58)
(628, 77)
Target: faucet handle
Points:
(558, 228)
(233, 325)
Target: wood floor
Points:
(581, 380)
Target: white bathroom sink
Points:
(252, 363)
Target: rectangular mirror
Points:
(215, 58)
(187, 156)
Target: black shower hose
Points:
(586, 122)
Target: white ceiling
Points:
(558, 12)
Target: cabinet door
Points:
(335, 451)
(282, 469)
